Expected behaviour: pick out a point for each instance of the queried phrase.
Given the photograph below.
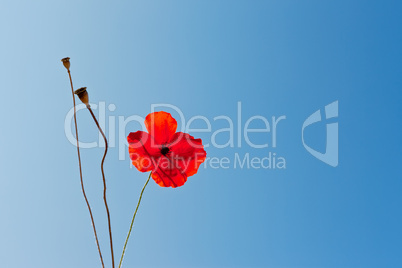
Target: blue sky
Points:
(278, 58)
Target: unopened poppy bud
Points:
(66, 62)
(83, 95)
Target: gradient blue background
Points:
(276, 57)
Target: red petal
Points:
(161, 125)
(167, 175)
(142, 154)
(185, 156)
(188, 152)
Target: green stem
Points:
(132, 221)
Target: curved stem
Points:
(132, 221)
(82, 182)
(104, 183)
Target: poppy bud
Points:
(83, 95)
(66, 62)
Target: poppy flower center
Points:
(164, 150)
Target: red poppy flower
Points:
(171, 156)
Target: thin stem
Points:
(104, 183)
(82, 182)
(132, 221)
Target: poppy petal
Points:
(189, 152)
(161, 126)
(166, 173)
(185, 156)
(141, 152)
